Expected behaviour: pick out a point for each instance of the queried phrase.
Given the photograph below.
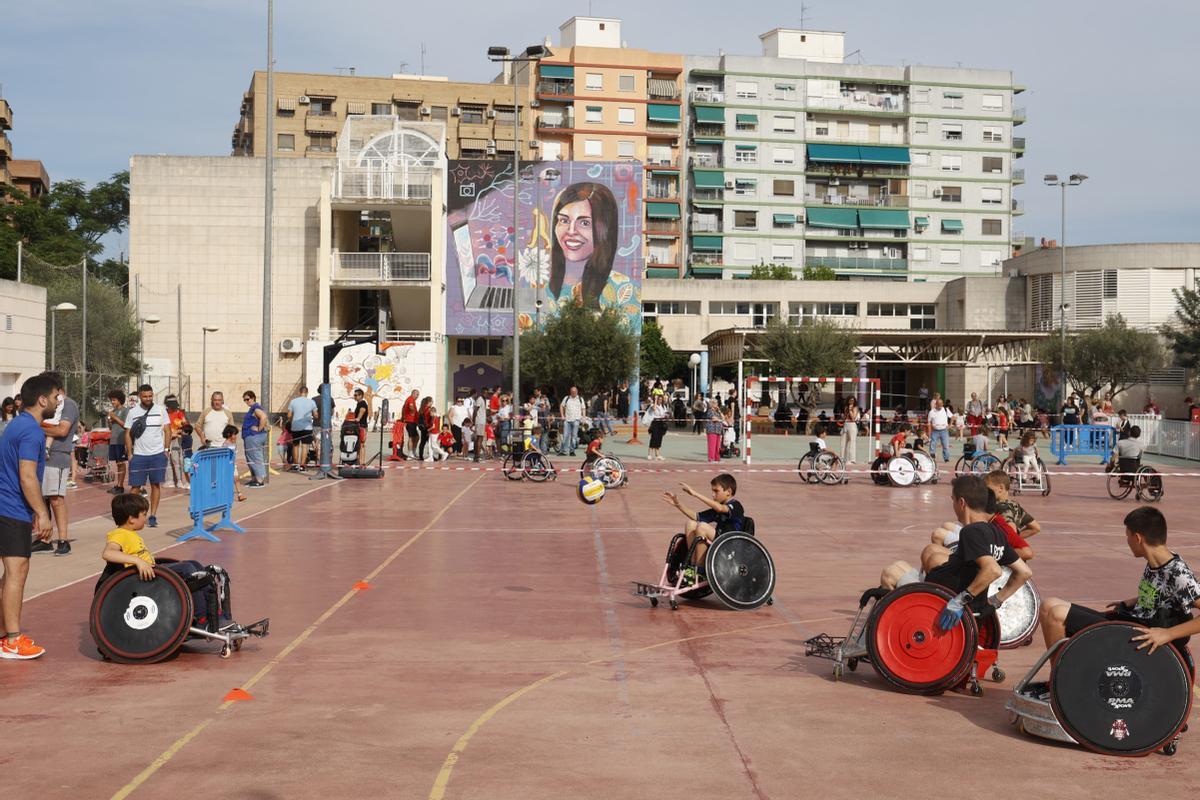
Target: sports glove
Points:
(953, 611)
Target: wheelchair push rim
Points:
(1018, 617)
(610, 472)
(1116, 700)
(901, 471)
(740, 571)
(925, 465)
(907, 648)
(141, 622)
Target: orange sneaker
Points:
(21, 648)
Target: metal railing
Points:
(707, 129)
(1016, 237)
(667, 191)
(1018, 143)
(710, 160)
(1018, 175)
(1169, 437)
(707, 97)
(881, 201)
(560, 123)
(860, 264)
(870, 102)
(330, 334)
(660, 162)
(662, 225)
(382, 183)
(1018, 206)
(556, 87)
(857, 170)
(662, 125)
(708, 193)
(707, 259)
(1018, 114)
(380, 267)
(704, 225)
(319, 113)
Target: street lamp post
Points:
(149, 319)
(204, 362)
(532, 54)
(1073, 180)
(694, 363)
(53, 325)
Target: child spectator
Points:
(186, 443)
(231, 433)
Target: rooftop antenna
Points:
(422, 58)
(804, 8)
(855, 53)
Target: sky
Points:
(1110, 85)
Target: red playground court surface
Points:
(452, 634)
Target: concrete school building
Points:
(23, 349)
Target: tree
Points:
(576, 346)
(1184, 338)
(822, 273)
(1113, 357)
(818, 347)
(656, 358)
(772, 272)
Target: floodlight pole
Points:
(268, 209)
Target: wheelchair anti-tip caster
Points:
(674, 604)
(226, 651)
(852, 664)
(1169, 750)
(770, 601)
(974, 688)
(654, 602)
(998, 675)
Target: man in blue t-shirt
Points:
(302, 412)
(23, 513)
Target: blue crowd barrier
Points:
(212, 493)
(1082, 440)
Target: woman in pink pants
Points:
(714, 427)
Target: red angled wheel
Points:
(909, 650)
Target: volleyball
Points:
(590, 491)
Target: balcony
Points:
(663, 226)
(699, 224)
(861, 101)
(661, 163)
(707, 97)
(556, 123)
(1016, 238)
(556, 88)
(707, 259)
(321, 122)
(701, 130)
(1018, 176)
(5, 115)
(856, 170)
(1019, 143)
(662, 127)
(702, 193)
(662, 191)
(1018, 207)
(382, 184)
(875, 201)
(5, 147)
(1018, 116)
(706, 160)
(332, 334)
(374, 269)
(873, 265)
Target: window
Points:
(472, 115)
(594, 114)
(887, 310)
(952, 131)
(783, 252)
(595, 82)
(952, 100)
(990, 258)
(783, 188)
(799, 312)
(921, 94)
(625, 83)
(991, 227)
(505, 115)
(784, 155)
(821, 129)
(745, 251)
(993, 102)
(626, 150)
(784, 123)
(747, 90)
(950, 257)
(921, 126)
(746, 122)
(919, 253)
(320, 143)
(745, 219)
(762, 313)
(920, 159)
(381, 109)
(593, 147)
(472, 152)
(993, 164)
(479, 347)
(991, 196)
(552, 151)
(746, 154)
(922, 317)
(745, 187)
(951, 194)
(626, 116)
(951, 163)
(1110, 284)
(993, 133)
(783, 221)
(321, 106)
(409, 112)
(785, 91)
(670, 308)
(439, 113)
(727, 308)
(285, 142)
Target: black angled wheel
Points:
(1149, 485)
(537, 467)
(740, 571)
(141, 622)
(512, 467)
(807, 468)
(1119, 486)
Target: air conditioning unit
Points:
(303, 100)
(937, 192)
(834, 182)
(728, 184)
(535, 103)
(426, 111)
(535, 144)
(456, 112)
(491, 113)
(291, 345)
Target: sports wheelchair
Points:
(1106, 695)
(1129, 475)
(531, 464)
(1021, 480)
(143, 622)
(972, 462)
(608, 470)
(737, 569)
(907, 468)
(821, 466)
(896, 631)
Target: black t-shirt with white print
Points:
(1166, 594)
(975, 541)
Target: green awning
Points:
(660, 112)
(890, 218)
(785, 219)
(708, 140)
(952, 225)
(710, 114)
(662, 272)
(707, 269)
(751, 119)
(662, 210)
(953, 95)
(833, 152)
(707, 243)
(883, 155)
(745, 147)
(709, 180)
(921, 222)
(557, 71)
(831, 218)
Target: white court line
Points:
(168, 547)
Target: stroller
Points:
(350, 443)
(729, 447)
(97, 468)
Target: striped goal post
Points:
(873, 400)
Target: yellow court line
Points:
(438, 792)
(182, 741)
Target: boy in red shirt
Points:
(594, 452)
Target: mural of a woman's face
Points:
(573, 229)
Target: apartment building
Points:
(597, 100)
(876, 172)
(311, 110)
(6, 122)
(28, 175)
